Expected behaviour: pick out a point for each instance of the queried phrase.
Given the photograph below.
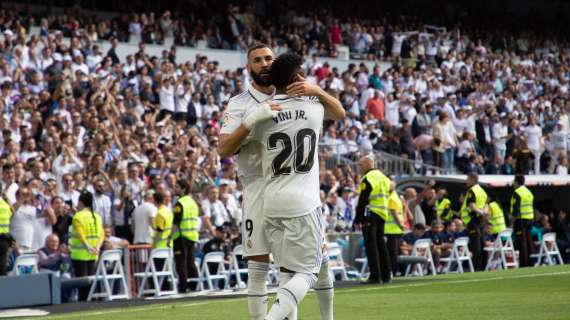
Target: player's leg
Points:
(257, 269)
(324, 290)
(301, 253)
(256, 250)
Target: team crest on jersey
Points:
(226, 119)
(249, 244)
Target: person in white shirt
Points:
(143, 216)
(533, 135)
(213, 209)
(392, 111)
(22, 224)
(166, 97)
(500, 133)
(102, 202)
(559, 140)
(68, 192)
(183, 96)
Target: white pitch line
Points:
(423, 284)
(189, 305)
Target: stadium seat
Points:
(336, 261)
(199, 280)
(502, 248)
(235, 269)
(217, 259)
(25, 264)
(422, 249)
(459, 254)
(364, 266)
(158, 276)
(548, 251)
(109, 260)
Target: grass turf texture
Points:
(530, 293)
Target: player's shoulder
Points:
(240, 99)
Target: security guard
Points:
(522, 211)
(496, 216)
(443, 205)
(472, 213)
(5, 239)
(394, 228)
(87, 236)
(374, 192)
(186, 222)
(162, 223)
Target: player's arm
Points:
(302, 87)
(235, 131)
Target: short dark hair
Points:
(419, 226)
(159, 198)
(519, 178)
(256, 46)
(284, 69)
(184, 186)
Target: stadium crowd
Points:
(74, 117)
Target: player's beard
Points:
(261, 78)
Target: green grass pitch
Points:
(530, 293)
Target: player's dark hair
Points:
(284, 69)
(256, 46)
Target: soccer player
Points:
(254, 105)
(291, 203)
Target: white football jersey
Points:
(290, 157)
(249, 155)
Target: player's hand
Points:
(264, 112)
(302, 87)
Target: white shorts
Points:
(297, 243)
(254, 240)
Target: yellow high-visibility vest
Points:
(441, 207)
(5, 216)
(480, 200)
(496, 218)
(527, 204)
(164, 239)
(394, 203)
(92, 228)
(189, 223)
(378, 198)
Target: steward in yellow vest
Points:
(443, 206)
(496, 217)
(162, 223)
(472, 212)
(87, 236)
(522, 212)
(374, 192)
(186, 215)
(394, 228)
(5, 216)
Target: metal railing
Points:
(347, 154)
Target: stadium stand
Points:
(440, 100)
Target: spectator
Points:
(143, 216)
(53, 256)
(410, 238)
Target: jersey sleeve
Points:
(233, 117)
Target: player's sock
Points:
(257, 289)
(284, 277)
(324, 289)
(290, 295)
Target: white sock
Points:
(257, 289)
(290, 295)
(284, 277)
(324, 289)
